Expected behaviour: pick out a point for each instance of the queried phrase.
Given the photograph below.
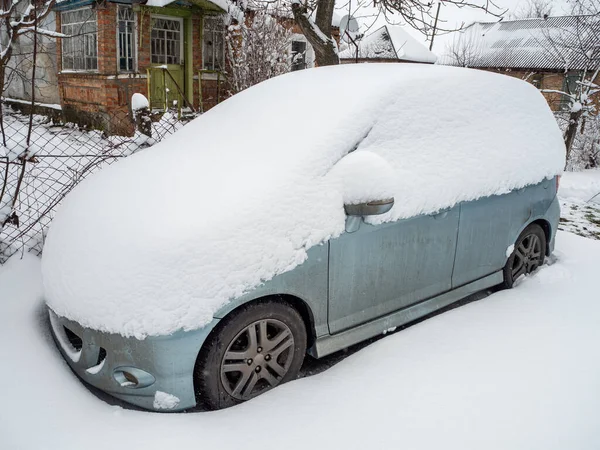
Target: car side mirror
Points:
(372, 208)
(367, 185)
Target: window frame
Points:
(309, 53)
(64, 40)
(303, 62)
(134, 46)
(223, 33)
(181, 37)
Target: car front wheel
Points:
(253, 350)
(528, 254)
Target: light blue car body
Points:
(351, 288)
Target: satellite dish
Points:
(348, 27)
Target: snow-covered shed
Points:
(390, 43)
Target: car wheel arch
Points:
(299, 304)
(547, 231)
(543, 223)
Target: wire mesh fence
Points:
(41, 163)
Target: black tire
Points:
(217, 385)
(528, 254)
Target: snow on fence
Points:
(35, 178)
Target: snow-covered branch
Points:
(555, 91)
(43, 31)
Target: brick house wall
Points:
(102, 98)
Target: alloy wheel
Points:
(528, 256)
(257, 359)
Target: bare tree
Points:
(534, 9)
(18, 18)
(258, 49)
(465, 50)
(577, 49)
(22, 17)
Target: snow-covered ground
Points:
(580, 203)
(584, 185)
(519, 369)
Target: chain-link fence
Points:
(41, 163)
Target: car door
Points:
(487, 229)
(379, 269)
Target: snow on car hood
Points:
(163, 239)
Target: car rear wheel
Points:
(255, 349)
(528, 254)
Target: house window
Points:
(80, 50)
(298, 55)
(536, 79)
(570, 86)
(126, 39)
(166, 41)
(213, 45)
(570, 82)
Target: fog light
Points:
(131, 380)
(132, 377)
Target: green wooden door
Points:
(167, 73)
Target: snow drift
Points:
(163, 239)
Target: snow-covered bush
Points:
(257, 49)
(585, 151)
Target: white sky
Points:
(452, 15)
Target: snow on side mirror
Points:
(367, 182)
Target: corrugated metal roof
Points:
(550, 43)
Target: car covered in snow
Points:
(303, 215)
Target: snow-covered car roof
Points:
(163, 239)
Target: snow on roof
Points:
(390, 42)
(530, 43)
(159, 3)
(163, 239)
(225, 5)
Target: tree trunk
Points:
(318, 33)
(3, 62)
(570, 132)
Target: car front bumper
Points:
(131, 369)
